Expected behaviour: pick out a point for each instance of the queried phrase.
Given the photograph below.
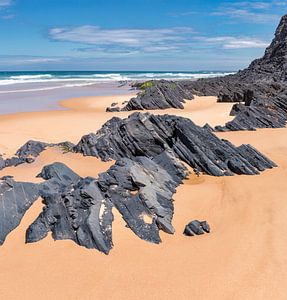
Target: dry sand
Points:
(244, 257)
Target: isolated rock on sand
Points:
(16, 198)
(196, 228)
(150, 135)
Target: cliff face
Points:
(273, 65)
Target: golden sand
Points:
(244, 257)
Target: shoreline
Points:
(238, 259)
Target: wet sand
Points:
(244, 257)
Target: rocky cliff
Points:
(261, 87)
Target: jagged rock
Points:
(31, 149)
(16, 198)
(149, 135)
(159, 95)
(208, 127)
(74, 209)
(81, 209)
(260, 114)
(112, 109)
(142, 191)
(196, 228)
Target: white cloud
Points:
(123, 37)
(229, 42)
(101, 42)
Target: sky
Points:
(159, 35)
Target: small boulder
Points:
(196, 228)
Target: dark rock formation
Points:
(159, 95)
(81, 209)
(142, 191)
(74, 209)
(149, 135)
(149, 151)
(113, 109)
(29, 151)
(196, 228)
(16, 198)
(258, 114)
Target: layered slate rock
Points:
(26, 154)
(159, 95)
(196, 228)
(74, 209)
(80, 209)
(258, 114)
(142, 192)
(150, 135)
(29, 151)
(15, 198)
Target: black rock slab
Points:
(150, 135)
(271, 113)
(142, 191)
(196, 228)
(74, 209)
(15, 198)
(160, 94)
(31, 149)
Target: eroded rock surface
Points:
(149, 135)
(80, 209)
(15, 199)
(74, 209)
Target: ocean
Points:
(41, 91)
(12, 82)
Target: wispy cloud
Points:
(246, 15)
(5, 3)
(129, 37)
(250, 12)
(229, 42)
(133, 42)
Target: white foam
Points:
(58, 81)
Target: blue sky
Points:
(182, 35)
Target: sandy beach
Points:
(244, 257)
